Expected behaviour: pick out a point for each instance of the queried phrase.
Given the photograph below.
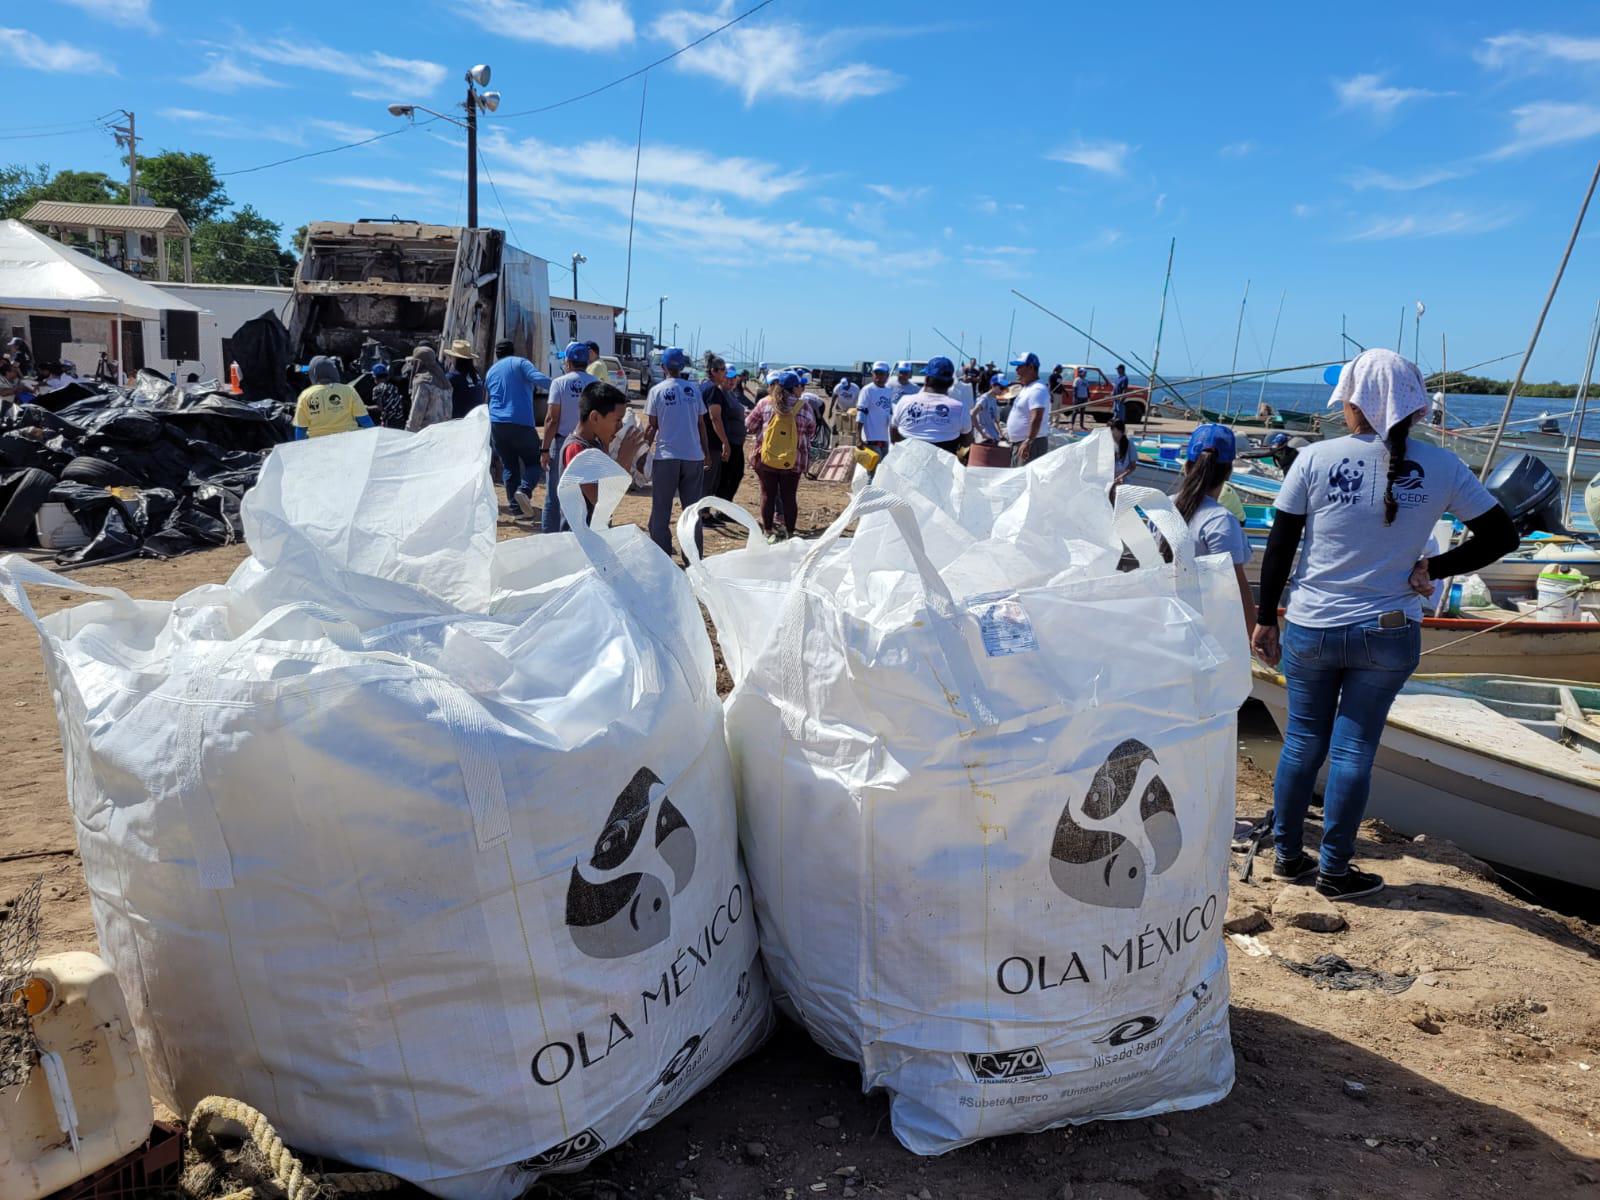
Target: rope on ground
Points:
(287, 1171)
(1592, 585)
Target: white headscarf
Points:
(1385, 386)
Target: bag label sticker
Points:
(1003, 623)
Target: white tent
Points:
(39, 274)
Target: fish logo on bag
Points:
(620, 915)
(1098, 866)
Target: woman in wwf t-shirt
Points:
(1364, 506)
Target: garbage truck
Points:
(376, 289)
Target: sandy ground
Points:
(1475, 1081)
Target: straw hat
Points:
(461, 348)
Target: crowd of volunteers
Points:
(1352, 519)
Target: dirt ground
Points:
(1475, 1081)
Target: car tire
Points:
(97, 472)
(19, 504)
(1133, 413)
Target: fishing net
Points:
(19, 944)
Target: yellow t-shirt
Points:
(599, 370)
(327, 408)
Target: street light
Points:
(576, 259)
(661, 308)
(476, 78)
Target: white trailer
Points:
(228, 306)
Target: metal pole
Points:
(472, 158)
(133, 163)
(1011, 330)
(1271, 346)
(575, 277)
(638, 147)
(1238, 329)
(1583, 407)
(1444, 381)
(1400, 334)
(1533, 341)
(1416, 338)
(661, 325)
(1155, 357)
(1089, 340)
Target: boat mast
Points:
(1238, 330)
(1271, 347)
(1575, 434)
(1516, 384)
(1155, 357)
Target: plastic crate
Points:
(138, 1175)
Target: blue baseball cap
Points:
(1277, 441)
(673, 358)
(577, 352)
(787, 378)
(939, 367)
(1001, 378)
(1030, 359)
(1217, 438)
(880, 367)
(379, 369)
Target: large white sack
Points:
(988, 835)
(423, 845)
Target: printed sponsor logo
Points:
(613, 912)
(577, 1148)
(1008, 1066)
(1410, 483)
(1097, 865)
(1345, 482)
(1130, 1029)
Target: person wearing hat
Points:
(1028, 422)
(512, 383)
(597, 365)
(1080, 400)
(561, 418)
(874, 407)
(845, 394)
(430, 390)
(933, 414)
(17, 351)
(1207, 467)
(675, 426)
(328, 406)
(461, 369)
(781, 427)
(986, 413)
(902, 385)
(1119, 392)
(388, 401)
(1359, 510)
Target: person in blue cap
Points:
(674, 412)
(561, 418)
(388, 401)
(902, 385)
(1080, 400)
(874, 407)
(933, 414)
(1206, 471)
(986, 413)
(512, 384)
(1028, 422)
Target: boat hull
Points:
(1490, 807)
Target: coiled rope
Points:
(288, 1172)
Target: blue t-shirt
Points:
(677, 408)
(567, 391)
(1217, 531)
(1352, 566)
(510, 384)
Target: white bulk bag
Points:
(988, 836)
(423, 845)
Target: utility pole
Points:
(661, 326)
(576, 259)
(127, 138)
(472, 155)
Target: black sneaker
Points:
(1302, 869)
(1348, 886)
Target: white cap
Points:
(880, 365)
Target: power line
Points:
(377, 137)
(484, 163)
(665, 58)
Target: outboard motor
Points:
(1530, 492)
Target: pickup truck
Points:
(1100, 386)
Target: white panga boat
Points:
(1505, 766)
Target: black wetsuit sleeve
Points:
(1277, 561)
(1493, 537)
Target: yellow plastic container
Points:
(87, 1102)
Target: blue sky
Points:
(845, 175)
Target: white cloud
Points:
(1371, 93)
(1109, 158)
(1548, 123)
(368, 183)
(1237, 149)
(1303, 211)
(23, 49)
(224, 74)
(581, 25)
(132, 14)
(1529, 50)
(608, 161)
(896, 195)
(1161, 202)
(383, 76)
(996, 251)
(1364, 178)
(1441, 224)
(1105, 239)
(774, 60)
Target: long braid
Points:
(1395, 440)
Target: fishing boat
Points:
(1290, 420)
(1472, 447)
(1506, 767)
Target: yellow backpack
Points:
(780, 441)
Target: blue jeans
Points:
(550, 514)
(1342, 682)
(518, 448)
(1119, 409)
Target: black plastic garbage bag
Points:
(59, 398)
(123, 423)
(261, 348)
(31, 416)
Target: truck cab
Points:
(1100, 393)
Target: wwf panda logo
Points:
(612, 912)
(1100, 866)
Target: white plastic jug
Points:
(1558, 592)
(87, 1101)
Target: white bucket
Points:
(1558, 593)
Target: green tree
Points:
(22, 186)
(186, 182)
(241, 248)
